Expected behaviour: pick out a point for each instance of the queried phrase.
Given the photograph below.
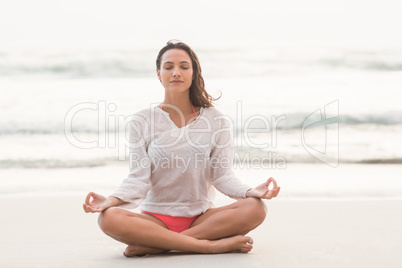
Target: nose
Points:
(176, 72)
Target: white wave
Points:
(215, 62)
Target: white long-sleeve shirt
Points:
(173, 171)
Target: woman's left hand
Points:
(263, 191)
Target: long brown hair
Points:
(198, 94)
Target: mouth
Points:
(176, 81)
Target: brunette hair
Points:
(198, 95)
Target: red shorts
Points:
(175, 224)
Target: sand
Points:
(53, 231)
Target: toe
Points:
(249, 240)
(128, 252)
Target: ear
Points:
(158, 73)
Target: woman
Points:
(179, 152)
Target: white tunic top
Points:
(173, 171)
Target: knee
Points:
(108, 218)
(255, 210)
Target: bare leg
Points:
(132, 229)
(238, 243)
(140, 250)
(238, 218)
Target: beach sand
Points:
(53, 231)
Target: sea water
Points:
(329, 106)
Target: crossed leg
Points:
(218, 230)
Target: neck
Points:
(180, 101)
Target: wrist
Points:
(248, 193)
(114, 201)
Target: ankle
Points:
(208, 246)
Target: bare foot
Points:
(237, 243)
(139, 250)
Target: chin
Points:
(178, 89)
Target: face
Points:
(176, 70)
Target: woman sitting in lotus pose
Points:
(180, 151)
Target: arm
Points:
(136, 185)
(221, 162)
(223, 177)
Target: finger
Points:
(277, 191)
(274, 182)
(95, 209)
(86, 208)
(88, 198)
(94, 197)
(91, 209)
(265, 193)
(268, 182)
(269, 195)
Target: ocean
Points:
(330, 106)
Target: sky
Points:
(129, 23)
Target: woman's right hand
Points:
(98, 203)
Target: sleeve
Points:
(221, 162)
(136, 185)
